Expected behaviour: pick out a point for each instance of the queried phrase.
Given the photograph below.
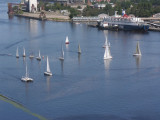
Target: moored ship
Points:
(123, 22)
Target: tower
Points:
(32, 5)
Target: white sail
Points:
(107, 54)
(67, 40)
(17, 54)
(48, 68)
(39, 54)
(79, 48)
(24, 53)
(138, 51)
(62, 52)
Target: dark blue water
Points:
(82, 87)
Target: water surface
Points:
(82, 87)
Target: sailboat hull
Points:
(61, 58)
(26, 79)
(136, 54)
(38, 58)
(106, 58)
(48, 73)
(67, 42)
(31, 57)
(17, 56)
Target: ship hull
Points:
(134, 27)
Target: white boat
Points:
(67, 40)
(106, 43)
(107, 53)
(17, 54)
(79, 49)
(31, 56)
(39, 57)
(62, 54)
(26, 78)
(24, 53)
(77, 23)
(138, 51)
(48, 72)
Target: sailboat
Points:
(79, 49)
(106, 43)
(138, 51)
(31, 56)
(26, 78)
(48, 72)
(67, 40)
(62, 54)
(17, 54)
(39, 57)
(24, 53)
(107, 54)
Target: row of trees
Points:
(140, 8)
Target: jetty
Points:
(46, 16)
(85, 19)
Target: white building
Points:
(32, 6)
(100, 6)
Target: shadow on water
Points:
(79, 59)
(62, 66)
(20, 106)
(92, 117)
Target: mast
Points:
(26, 71)
(62, 52)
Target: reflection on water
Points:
(67, 47)
(107, 64)
(39, 63)
(33, 26)
(138, 61)
(17, 60)
(26, 89)
(79, 58)
(24, 60)
(106, 33)
(48, 82)
(43, 25)
(62, 65)
(10, 17)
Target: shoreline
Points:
(61, 18)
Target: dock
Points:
(85, 19)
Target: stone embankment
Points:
(54, 16)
